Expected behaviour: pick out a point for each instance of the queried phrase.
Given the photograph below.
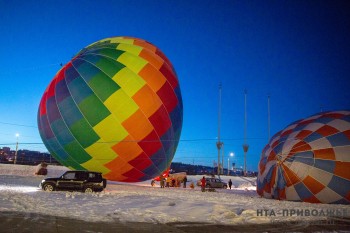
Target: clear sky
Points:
(296, 51)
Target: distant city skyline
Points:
(296, 52)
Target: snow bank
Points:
(24, 170)
(139, 202)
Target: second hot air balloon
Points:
(309, 161)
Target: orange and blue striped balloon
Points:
(309, 161)
(116, 107)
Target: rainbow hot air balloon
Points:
(115, 108)
(309, 161)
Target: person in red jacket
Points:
(203, 184)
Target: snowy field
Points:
(139, 202)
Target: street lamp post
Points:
(228, 163)
(219, 143)
(245, 149)
(15, 161)
(245, 145)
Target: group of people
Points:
(168, 181)
(171, 182)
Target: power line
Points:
(26, 69)
(29, 126)
(23, 143)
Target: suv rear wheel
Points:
(88, 190)
(49, 187)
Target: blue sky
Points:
(298, 52)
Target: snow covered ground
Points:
(139, 202)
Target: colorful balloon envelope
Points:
(309, 161)
(116, 107)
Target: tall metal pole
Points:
(15, 161)
(222, 159)
(245, 116)
(268, 116)
(219, 144)
(228, 165)
(245, 145)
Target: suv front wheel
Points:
(49, 187)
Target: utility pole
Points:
(15, 161)
(219, 143)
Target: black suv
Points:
(86, 181)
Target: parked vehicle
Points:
(85, 181)
(41, 169)
(213, 183)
